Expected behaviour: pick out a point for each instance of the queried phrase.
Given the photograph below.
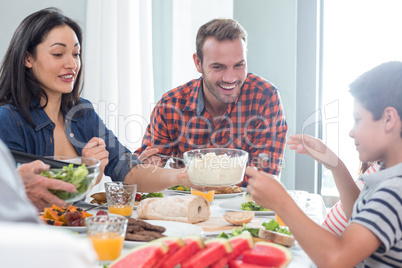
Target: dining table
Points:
(315, 209)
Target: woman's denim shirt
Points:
(81, 124)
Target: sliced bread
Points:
(279, 238)
(239, 217)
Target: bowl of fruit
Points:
(82, 172)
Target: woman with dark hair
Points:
(41, 111)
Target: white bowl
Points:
(216, 166)
(83, 186)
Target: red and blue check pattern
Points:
(255, 122)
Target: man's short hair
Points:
(221, 29)
(379, 88)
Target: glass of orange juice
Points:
(279, 220)
(107, 235)
(209, 195)
(120, 197)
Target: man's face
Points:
(224, 69)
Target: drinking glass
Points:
(107, 235)
(120, 198)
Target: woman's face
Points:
(57, 62)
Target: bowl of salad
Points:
(82, 172)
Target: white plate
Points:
(235, 205)
(178, 191)
(78, 229)
(217, 196)
(173, 228)
(100, 206)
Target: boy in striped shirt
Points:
(373, 237)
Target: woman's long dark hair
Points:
(18, 84)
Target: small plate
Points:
(235, 205)
(173, 228)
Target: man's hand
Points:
(96, 148)
(37, 187)
(148, 157)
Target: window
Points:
(358, 35)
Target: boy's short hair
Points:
(221, 29)
(379, 88)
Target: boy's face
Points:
(368, 134)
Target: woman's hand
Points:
(315, 148)
(96, 148)
(37, 187)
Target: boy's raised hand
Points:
(315, 148)
(265, 189)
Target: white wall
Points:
(14, 11)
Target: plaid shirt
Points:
(255, 123)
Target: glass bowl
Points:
(215, 166)
(83, 175)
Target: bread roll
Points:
(186, 208)
(238, 217)
(279, 238)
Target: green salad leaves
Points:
(179, 188)
(253, 206)
(272, 225)
(74, 175)
(150, 195)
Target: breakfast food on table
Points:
(98, 198)
(184, 208)
(236, 252)
(221, 190)
(78, 176)
(238, 218)
(139, 230)
(268, 231)
(216, 166)
(253, 206)
(229, 190)
(180, 188)
(62, 216)
(272, 231)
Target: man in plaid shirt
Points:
(226, 107)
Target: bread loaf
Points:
(279, 238)
(185, 208)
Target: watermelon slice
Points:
(268, 254)
(214, 250)
(239, 244)
(174, 244)
(145, 256)
(241, 264)
(193, 245)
